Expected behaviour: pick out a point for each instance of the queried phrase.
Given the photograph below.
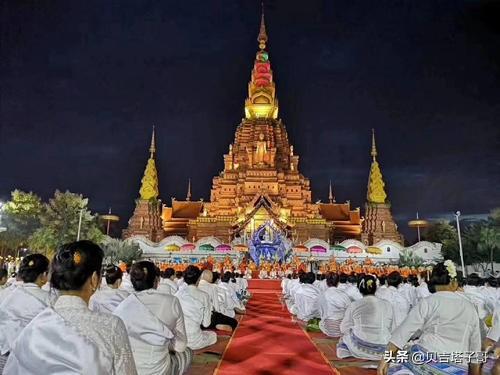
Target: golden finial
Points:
(188, 196)
(262, 38)
(152, 148)
(374, 147)
(149, 182)
(376, 185)
(331, 198)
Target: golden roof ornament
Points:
(376, 185)
(149, 183)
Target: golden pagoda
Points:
(261, 181)
(379, 223)
(146, 219)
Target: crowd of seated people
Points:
(375, 318)
(69, 316)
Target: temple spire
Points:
(262, 38)
(331, 198)
(149, 182)
(374, 146)
(188, 195)
(376, 191)
(152, 148)
(261, 101)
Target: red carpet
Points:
(267, 342)
(264, 284)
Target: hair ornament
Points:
(450, 267)
(31, 263)
(77, 258)
(369, 283)
(145, 270)
(362, 283)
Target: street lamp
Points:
(464, 271)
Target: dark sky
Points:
(82, 83)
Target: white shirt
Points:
(306, 302)
(332, 304)
(70, 339)
(17, 310)
(399, 303)
(370, 319)
(197, 310)
(448, 322)
(106, 300)
(351, 290)
(155, 324)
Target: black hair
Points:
(342, 278)
(168, 273)
(226, 277)
(3, 273)
(474, 280)
(289, 276)
(492, 282)
(215, 276)
(382, 280)
(413, 280)
(143, 275)
(394, 279)
(308, 278)
(74, 263)
(367, 285)
(439, 275)
(112, 273)
(191, 275)
(179, 274)
(33, 266)
(332, 279)
(352, 278)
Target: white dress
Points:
(351, 290)
(400, 305)
(71, 339)
(197, 311)
(332, 304)
(366, 329)
(448, 323)
(168, 285)
(306, 302)
(106, 300)
(155, 325)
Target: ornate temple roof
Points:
(376, 191)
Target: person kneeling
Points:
(155, 324)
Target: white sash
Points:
(141, 323)
(52, 345)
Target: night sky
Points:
(83, 82)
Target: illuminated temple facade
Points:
(260, 182)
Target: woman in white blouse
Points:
(366, 327)
(332, 304)
(24, 302)
(448, 323)
(108, 298)
(155, 325)
(68, 338)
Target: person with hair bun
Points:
(366, 327)
(68, 338)
(167, 283)
(447, 323)
(155, 324)
(24, 302)
(107, 299)
(332, 304)
(395, 296)
(197, 310)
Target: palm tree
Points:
(489, 242)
